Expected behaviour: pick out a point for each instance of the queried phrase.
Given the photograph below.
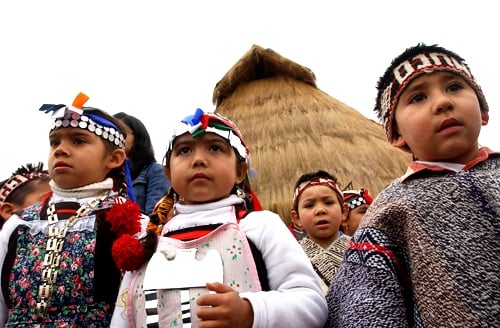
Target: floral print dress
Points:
(87, 282)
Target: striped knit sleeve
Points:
(368, 290)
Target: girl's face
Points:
(204, 169)
(79, 157)
(320, 212)
(351, 222)
(439, 118)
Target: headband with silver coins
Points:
(74, 117)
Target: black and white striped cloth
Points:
(152, 309)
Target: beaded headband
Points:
(354, 198)
(74, 117)
(19, 179)
(315, 182)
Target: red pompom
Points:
(128, 253)
(124, 217)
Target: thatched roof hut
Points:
(292, 127)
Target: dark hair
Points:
(311, 175)
(18, 196)
(118, 174)
(142, 152)
(36, 175)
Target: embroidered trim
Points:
(326, 263)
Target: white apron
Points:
(163, 307)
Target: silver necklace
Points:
(54, 247)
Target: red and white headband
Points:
(315, 182)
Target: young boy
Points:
(318, 206)
(426, 253)
(26, 186)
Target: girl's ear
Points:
(241, 171)
(116, 158)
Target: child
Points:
(265, 279)
(148, 179)
(358, 202)
(318, 206)
(26, 186)
(56, 263)
(426, 251)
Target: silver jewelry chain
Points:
(55, 245)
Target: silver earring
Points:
(239, 192)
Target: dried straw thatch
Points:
(292, 128)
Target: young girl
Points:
(26, 186)
(358, 202)
(265, 279)
(55, 257)
(148, 179)
(319, 207)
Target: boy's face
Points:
(204, 169)
(79, 157)
(320, 212)
(439, 118)
(39, 191)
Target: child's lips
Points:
(448, 123)
(199, 177)
(322, 222)
(61, 166)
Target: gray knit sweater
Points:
(426, 254)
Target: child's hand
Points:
(224, 308)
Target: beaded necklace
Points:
(54, 247)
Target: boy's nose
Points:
(320, 209)
(442, 102)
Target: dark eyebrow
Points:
(447, 76)
(415, 86)
(182, 143)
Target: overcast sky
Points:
(159, 60)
